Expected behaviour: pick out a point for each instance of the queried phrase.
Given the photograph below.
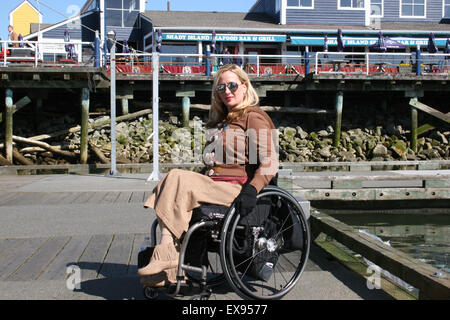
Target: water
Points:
(424, 237)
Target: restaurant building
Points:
(270, 27)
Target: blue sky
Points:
(62, 9)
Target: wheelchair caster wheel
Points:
(150, 293)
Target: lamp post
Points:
(112, 39)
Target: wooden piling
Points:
(84, 125)
(337, 129)
(414, 124)
(124, 106)
(38, 113)
(186, 106)
(9, 110)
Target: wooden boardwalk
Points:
(98, 256)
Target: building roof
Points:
(185, 20)
(34, 27)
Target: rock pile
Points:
(134, 143)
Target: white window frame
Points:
(443, 7)
(300, 6)
(414, 17)
(122, 10)
(351, 8)
(382, 10)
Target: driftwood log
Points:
(4, 161)
(99, 154)
(45, 146)
(20, 158)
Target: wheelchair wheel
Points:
(264, 254)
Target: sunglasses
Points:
(233, 86)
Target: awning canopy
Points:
(361, 41)
(224, 37)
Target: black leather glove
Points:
(245, 202)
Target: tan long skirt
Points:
(180, 191)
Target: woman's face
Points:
(229, 98)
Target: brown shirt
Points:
(14, 37)
(244, 147)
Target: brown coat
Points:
(14, 37)
(245, 147)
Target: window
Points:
(376, 8)
(300, 3)
(413, 8)
(351, 4)
(122, 13)
(446, 11)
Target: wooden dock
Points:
(431, 282)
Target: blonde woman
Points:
(240, 159)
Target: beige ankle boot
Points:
(165, 256)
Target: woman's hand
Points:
(245, 202)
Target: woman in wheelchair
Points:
(240, 160)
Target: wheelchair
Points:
(261, 255)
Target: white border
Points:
(412, 17)
(351, 8)
(443, 8)
(301, 7)
(382, 10)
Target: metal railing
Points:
(55, 53)
(379, 63)
(38, 53)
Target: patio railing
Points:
(56, 53)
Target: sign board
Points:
(224, 37)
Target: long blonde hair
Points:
(219, 112)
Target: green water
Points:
(424, 237)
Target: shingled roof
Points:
(243, 20)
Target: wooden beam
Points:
(429, 110)
(410, 270)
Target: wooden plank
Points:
(52, 197)
(372, 194)
(29, 198)
(138, 240)
(137, 197)
(111, 196)
(97, 197)
(92, 258)
(71, 197)
(69, 255)
(7, 246)
(118, 258)
(37, 263)
(83, 198)
(410, 270)
(13, 261)
(361, 268)
(124, 196)
(378, 176)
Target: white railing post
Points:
(316, 63)
(257, 65)
(156, 175)
(367, 63)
